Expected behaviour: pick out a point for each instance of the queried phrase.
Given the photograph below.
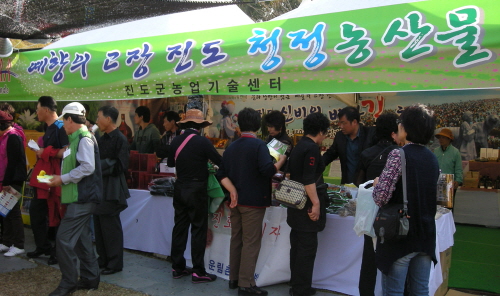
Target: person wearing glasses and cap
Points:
(449, 157)
(81, 190)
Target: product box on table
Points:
(445, 190)
(470, 182)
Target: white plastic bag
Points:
(366, 211)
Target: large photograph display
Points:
(472, 115)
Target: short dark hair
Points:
(75, 117)
(315, 123)
(5, 125)
(350, 113)
(48, 102)
(172, 115)
(249, 120)
(144, 112)
(419, 123)
(6, 107)
(385, 126)
(109, 111)
(191, 124)
(276, 120)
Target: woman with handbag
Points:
(12, 175)
(411, 256)
(306, 166)
(245, 171)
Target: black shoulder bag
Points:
(391, 223)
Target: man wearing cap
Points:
(189, 154)
(81, 190)
(449, 157)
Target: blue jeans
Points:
(417, 266)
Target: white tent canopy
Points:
(316, 7)
(195, 20)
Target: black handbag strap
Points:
(403, 169)
(392, 146)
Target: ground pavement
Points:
(141, 273)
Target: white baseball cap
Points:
(73, 108)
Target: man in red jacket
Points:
(46, 203)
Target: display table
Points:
(477, 206)
(148, 222)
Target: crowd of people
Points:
(88, 183)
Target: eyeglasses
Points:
(398, 121)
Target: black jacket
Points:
(191, 164)
(164, 145)
(339, 147)
(369, 168)
(422, 172)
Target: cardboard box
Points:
(469, 182)
(474, 174)
(445, 261)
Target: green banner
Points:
(427, 45)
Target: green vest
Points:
(69, 192)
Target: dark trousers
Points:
(74, 243)
(368, 272)
(40, 223)
(191, 208)
(246, 235)
(13, 228)
(303, 248)
(109, 241)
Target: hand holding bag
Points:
(391, 222)
(366, 210)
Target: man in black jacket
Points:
(371, 164)
(349, 144)
(114, 152)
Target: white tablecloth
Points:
(148, 223)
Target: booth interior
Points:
(148, 220)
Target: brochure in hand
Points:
(277, 148)
(33, 145)
(43, 177)
(7, 200)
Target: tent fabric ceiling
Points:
(48, 19)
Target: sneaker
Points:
(13, 251)
(3, 248)
(203, 278)
(252, 290)
(178, 274)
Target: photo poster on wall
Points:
(473, 116)
(295, 108)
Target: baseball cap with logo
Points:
(73, 108)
